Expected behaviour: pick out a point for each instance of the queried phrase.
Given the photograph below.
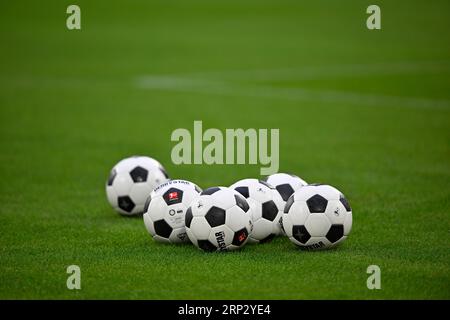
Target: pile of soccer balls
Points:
(313, 216)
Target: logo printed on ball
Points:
(173, 196)
(336, 211)
(220, 237)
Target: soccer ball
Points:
(267, 208)
(165, 210)
(317, 217)
(286, 184)
(131, 181)
(219, 220)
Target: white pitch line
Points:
(323, 71)
(297, 94)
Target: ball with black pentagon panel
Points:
(219, 220)
(317, 217)
(165, 210)
(286, 184)
(267, 207)
(131, 181)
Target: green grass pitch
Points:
(365, 111)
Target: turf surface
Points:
(365, 111)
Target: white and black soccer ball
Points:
(317, 217)
(165, 210)
(219, 220)
(267, 208)
(131, 181)
(286, 184)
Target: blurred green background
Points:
(367, 111)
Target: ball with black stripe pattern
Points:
(267, 208)
(166, 210)
(219, 220)
(130, 182)
(317, 217)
